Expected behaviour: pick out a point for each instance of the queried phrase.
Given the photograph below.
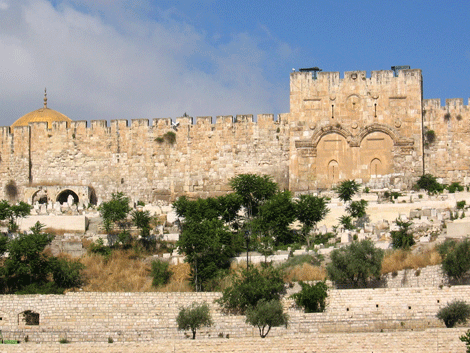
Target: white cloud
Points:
(97, 68)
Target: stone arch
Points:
(40, 196)
(394, 135)
(63, 196)
(375, 167)
(330, 129)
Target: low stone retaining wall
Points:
(146, 317)
(429, 341)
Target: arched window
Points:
(375, 167)
(333, 171)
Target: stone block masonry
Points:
(148, 317)
(373, 129)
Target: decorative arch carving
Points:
(329, 129)
(394, 135)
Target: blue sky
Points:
(116, 59)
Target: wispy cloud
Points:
(104, 60)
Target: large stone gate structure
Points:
(375, 129)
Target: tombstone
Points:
(70, 200)
(57, 206)
(43, 209)
(346, 238)
(433, 212)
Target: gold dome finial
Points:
(45, 98)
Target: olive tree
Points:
(355, 264)
(267, 314)
(193, 317)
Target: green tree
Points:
(402, 238)
(347, 189)
(274, 217)
(455, 312)
(254, 190)
(141, 220)
(29, 270)
(355, 263)
(13, 212)
(456, 258)
(114, 211)
(310, 210)
(429, 183)
(249, 287)
(160, 273)
(267, 314)
(311, 297)
(194, 317)
(357, 211)
(208, 247)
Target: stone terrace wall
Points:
(429, 341)
(141, 317)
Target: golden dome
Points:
(41, 115)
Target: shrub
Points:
(402, 238)
(461, 204)
(194, 317)
(251, 286)
(430, 136)
(159, 139)
(455, 186)
(267, 314)
(447, 116)
(429, 183)
(355, 263)
(99, 248)
(455, 312)
(311, 297)
(160, 273)
(170, 137)
(67, 274)
(456, 261)
(466, 339)
(347, 189)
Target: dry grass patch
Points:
(126, 271)
(400, 260)
(305, 272)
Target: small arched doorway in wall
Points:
(333, 171)
(63, 196)
(375, 168)
(40, 197)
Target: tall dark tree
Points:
(310, 210)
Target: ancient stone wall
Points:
(447, 155)
(373, 129)
(355, 128)
(140, 161)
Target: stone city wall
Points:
(366, 128)
(143, 317)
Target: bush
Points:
(251, 286)
(455, 186)
(170, 137)
(355, 264)
(456, 258)
(194, 317)
(455, 312)
(99, 248)
(466, 339)
(461, 204)
(67, 274)
(311, 297)
(160, 273)
(347, 189)
(429, 183)
(402, 238)
(430, 136)
(267, 314)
